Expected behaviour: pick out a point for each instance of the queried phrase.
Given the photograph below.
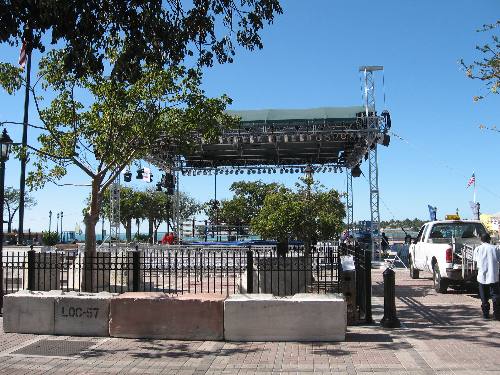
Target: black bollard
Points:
(390, 320)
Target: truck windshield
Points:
(457, 230)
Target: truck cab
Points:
(439, 249)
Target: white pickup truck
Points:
(445, 248)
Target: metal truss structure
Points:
(372, 123)
(349, 202)
(287, 141)
(285, 145)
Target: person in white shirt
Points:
(487, 257)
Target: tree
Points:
(140, 32)
(487, 68)
(245, 204)
(160, 207)
(11, 201)
(310, 214)
(130, 208)
(122, 122)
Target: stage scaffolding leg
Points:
(349, 205)
(374, 126)
(374, 201)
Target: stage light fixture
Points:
(258, 171)
(204, 172)
(386, 140)
(281, 170)
(253, 171)
(226, 172)
(286, 170)
(264, 171)
(248, 171)
(297, 170)
(356, 171)
(231, 171)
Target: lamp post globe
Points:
(5, 146)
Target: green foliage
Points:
(487, 67)
(247, 201)
(11, 201)
(10, 77)
(141, 237)
(138, 33)
(50, 238)
(130, 204)
(408, 224)
(310, 213)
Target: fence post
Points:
(31, 268)
(136, 264)
(249, 271)
(390, 320)
(368, 286)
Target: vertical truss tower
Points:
(349, 202)
(373, 123)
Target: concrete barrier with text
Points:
(82, 314)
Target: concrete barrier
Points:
(29, 312)
(82, 314)
(157, 315)
(303, 317)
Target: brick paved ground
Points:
(442, 334)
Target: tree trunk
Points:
(157, 225)
(128, 230)
(90, 219)
(151, 230)
(9, 226)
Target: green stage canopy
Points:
(287, 115)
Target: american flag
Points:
(472, 180)
(22, 55)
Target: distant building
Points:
(491, 222)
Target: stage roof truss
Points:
(267, 138)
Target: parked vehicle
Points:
(445, 248)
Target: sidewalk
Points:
(441, 334)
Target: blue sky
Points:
(311, 59)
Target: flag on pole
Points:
(472, 180)
(22, 55)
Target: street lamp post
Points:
(5, 146)
(50, 219)
(57, 223)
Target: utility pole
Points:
(24, 154)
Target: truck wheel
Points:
(414, 273)
(440, 285)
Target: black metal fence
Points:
(188, 269)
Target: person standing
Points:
(487, 257)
